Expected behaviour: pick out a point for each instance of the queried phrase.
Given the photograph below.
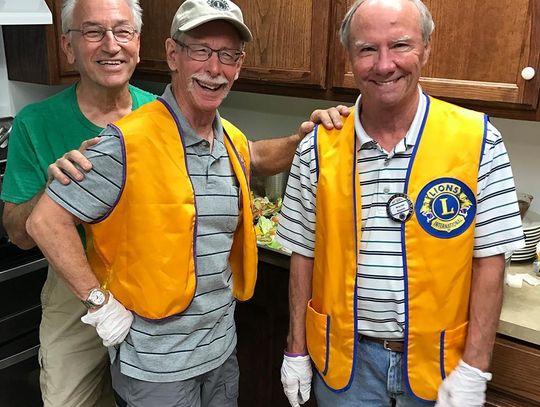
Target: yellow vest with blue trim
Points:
(144, 250)
(437, 246)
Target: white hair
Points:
(68, 8)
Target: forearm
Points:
(484, 310)
(54, 231)
(269, 157)
(301, 272)
(14, 219)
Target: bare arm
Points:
(55, 232)
(269, 157)
(299, 294)
(485, 309)
(14, 219)
(15, 215)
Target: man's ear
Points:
(239, 66)
(427, 51)
(67, 47)
(171, 51)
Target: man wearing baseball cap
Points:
(166, 208)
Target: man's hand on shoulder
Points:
(69, 165)
(331, 117)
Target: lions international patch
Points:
(220, 5)
(445, 207)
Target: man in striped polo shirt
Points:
(166, 208)
(398, 228)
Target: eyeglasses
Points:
(123, 33)
(202, 53)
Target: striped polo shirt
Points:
(380, 275)
(203, 336)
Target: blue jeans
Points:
(378, 382)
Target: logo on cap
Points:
(445, 207)
(220, 5)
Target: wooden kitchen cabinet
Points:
(34, 54)
(262, 324)
(289, 46)
(290, 41)
(516, 371)
(157, 18)
(478, 51)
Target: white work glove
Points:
(112, 321)
(464, 387)
(296, 378)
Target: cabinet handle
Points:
(528, 73)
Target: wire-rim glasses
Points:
(203, 53)
(123, 33)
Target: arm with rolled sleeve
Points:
(498, 230)
(53, 226)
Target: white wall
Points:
(23, 93)
(6, 106)
(264, 116)
(522, 140)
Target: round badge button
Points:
(399, 208)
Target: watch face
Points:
(97, 297)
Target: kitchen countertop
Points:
(520, 316)
(521, 307)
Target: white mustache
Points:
(212, 81)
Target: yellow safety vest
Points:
(144, 251)
(437, 248)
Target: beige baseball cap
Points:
(193, 13)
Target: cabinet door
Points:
(290, 41)
(478, 51)
(289, 46)
(157, 18)
(515, 368)
(34, 54)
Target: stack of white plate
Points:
(531, 228)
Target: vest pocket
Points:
(318, 334)
(452, 346)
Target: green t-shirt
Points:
(41, 133)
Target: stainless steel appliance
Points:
(22, 273)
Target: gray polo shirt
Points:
(203, 336)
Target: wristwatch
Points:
(97, 297)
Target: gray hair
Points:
(68, 7)
(426, 22)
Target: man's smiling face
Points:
(107, 63)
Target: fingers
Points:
(344, 110)
(330, 118)
(293, 399)
(305, 129)
(305, 390)
(69, 165)
(86, 144)
(53, 172)
(443, 397)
